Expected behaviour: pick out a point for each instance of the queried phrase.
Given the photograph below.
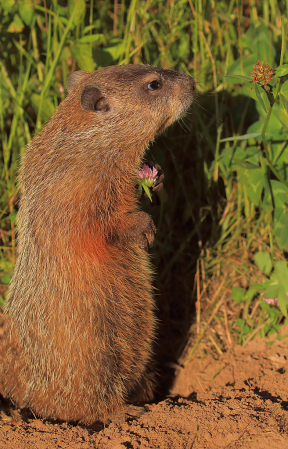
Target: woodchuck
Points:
(80, 322)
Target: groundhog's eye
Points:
(154, 85)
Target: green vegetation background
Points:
(222, 214)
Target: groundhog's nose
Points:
(190, 85)
(192, 82)
(188, 82)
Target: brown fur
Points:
(80, 322)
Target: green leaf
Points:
(250, 294)
(245, 164)
(83, 55)
(272, 292)
(16, 26)
(282, 70)
(238, 294)
(112, 52)
(224, 17)
(280, 157)
(26, 11)
(89, 28)
(47, 109)
(63, 11)
(79, 6)
(2, 301)
(263, 262)
(147, 191)
(265, 306)
(239, 77)
(99, 38)
(5, 280)
(256, 184)
(243, 137)
(234, 71)
(259, 287)
(281, 227)
(283, 110)
(250, 154)
(115, 48)
(240, 322)
(5, 265)
(7, 5)
(274, 126)
(260, 96)
(283, 301)
(13, 217)
(284, 90)
(183, 46)
(248, 90)
(281, 270)
(280, 193)
(258, 40)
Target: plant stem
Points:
(281, 57)
(267, 150)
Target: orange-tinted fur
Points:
(80, 322)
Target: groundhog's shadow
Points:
(174, 254)
(186, 214)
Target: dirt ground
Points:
(238, 401)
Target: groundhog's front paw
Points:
(147, 232)
(140, 228)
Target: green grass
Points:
(221, 203)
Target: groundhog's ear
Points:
(74, 79)
(93, 100)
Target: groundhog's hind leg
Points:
(12, 362)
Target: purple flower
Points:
(147, 177)
(271, 301)
(147, 174)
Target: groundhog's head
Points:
(130, 102)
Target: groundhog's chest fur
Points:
(80, 322)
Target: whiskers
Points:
(185, 125)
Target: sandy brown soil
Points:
(238, 401)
